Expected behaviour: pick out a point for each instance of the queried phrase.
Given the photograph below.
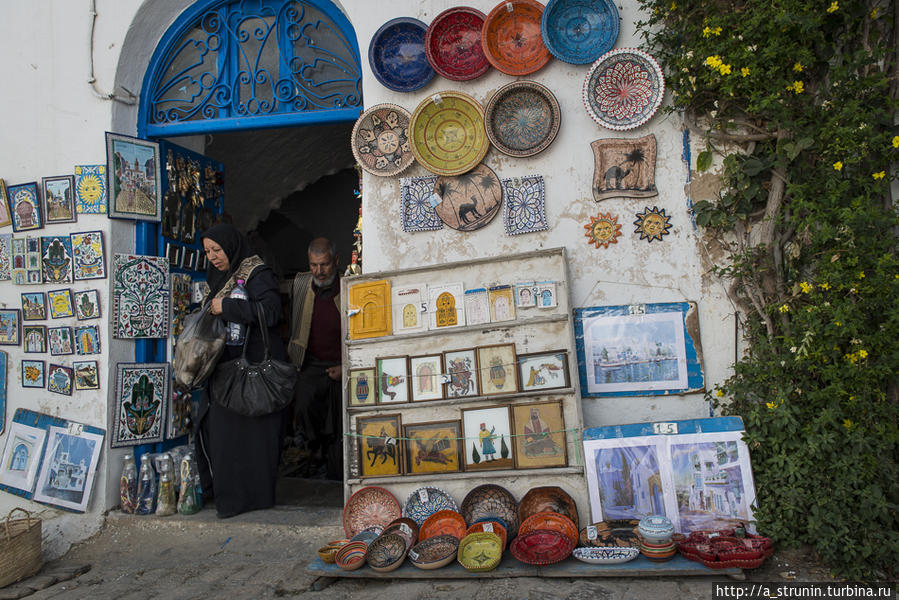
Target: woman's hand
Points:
(216, 306)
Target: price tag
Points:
(405, 529)
(510, 7)
(664, 428)
(488, 527)
(423, 495)
(424, 307)
(75, 428)
(591, 532)
(437, 99)
(636, 309)
(413, 554)
(434, 199)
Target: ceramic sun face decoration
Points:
(602, 230)
(652, 224)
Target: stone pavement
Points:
(264, 554)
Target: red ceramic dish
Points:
(368, 507)
(443, 522)
(490, 527)
(548, 498)
(550, 521)
(541, 547)
(511, 37)
(453, 44)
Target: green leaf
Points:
(704, 161)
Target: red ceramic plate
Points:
(541, 547)
(511, 37)
(453, 44)
(368, 507)
(552, 521)
(443, 522)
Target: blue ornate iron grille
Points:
(252, 64)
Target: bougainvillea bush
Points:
(794, 102)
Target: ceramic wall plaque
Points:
(392, 377)
(477, 306)
(410, 303)
(445, 305)
(133, 178)
(56, 259)
(25, 206)
(525, 294)
(60, 379)
(371, 300)
(33, 261)
(141, 403)
(88, 257)
(10, 326)
(502, 304)
(141, 293)
(86, 375)
(448, 135)
(87, 305)
(34, 306)
(470, 201)
(602, 230)
(34, 339)
(59, 199)
(33, 373)
(417, 203)
(5, 257)
(623, 89)
(90, 189)
(546, 294)
(624, 168)
(652, 224)
(525, 207)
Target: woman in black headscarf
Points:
(239, 455)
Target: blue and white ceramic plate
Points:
(397, 55)
(605, 556)
(424, 502)
(579, 31)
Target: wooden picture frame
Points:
(10, 326)
(433, 447)
(87, 304)
(33, 373)
(539, 436)
(34, 339)
(134, 182)
(543, 371)
(34, 306)
(60, 341)
(362, 388)
(5, 214)
(60, 379)
(87, 376)
(24, 201)
(497, 369)
(392, 377)
(487, 432)
(380, 454)
(426, 377)
(461, 368)
(60, 302)
(59, 199)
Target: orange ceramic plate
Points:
(442, 522)
(551, 521)
(511, 37)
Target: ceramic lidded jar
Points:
(656, 529)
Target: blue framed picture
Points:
(639, 350)
(32, 373)
(25, 206)
(87, 340)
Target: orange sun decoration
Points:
(602, 230)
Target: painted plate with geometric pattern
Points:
(380, 140)
(453, 44)
(368, 507)
(397, 55)
(424, 502)
(579, 31)
(522, 118)
(448, 136)
(511, 37)
(623, 89)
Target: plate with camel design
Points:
(469, 201)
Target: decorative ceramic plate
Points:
(623, 89)
(470, 201)
(397, 55)
(541, 547)
(405, 527)
(548, 498)
(489, 527)
(351, 556)
(367, 536)
(550, 521)
(511, 37)
(453, 44)
(522, 118)
(425, 501)
(434, 552)
(490, 501)
(386, 553)
(605, 556)
(579, 31)
(608, 534)
(380, 140)
(444, 522)
(479, 552)
(448, 136)
(368, 507)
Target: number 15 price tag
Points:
(664, 428)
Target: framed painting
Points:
(140, 403)
(133, 178)
(446, 305)
(409, 303)
(59, 341)
(643, 349)
(538, 434)
(34, 339)
(87, 305)
(56, 259)
(60, 379)
(59, 199)
(371, 301)
(33, 261)
(86, 375)
(379, 451)
(10, 326)
(24, 206)
(434, 447)
(87, 340)
(22, 456)
(60, 303)
(69, 467)
(477, 307)
(502, 304)
(461, 368)
(392, 373)
(426, 377)
(88, 257)
(6, 258)
(90, 189)
(624, 168)
(33, 374)
(362, 389)
(487, 438)
(34, 306)
(141, 297)
(543, 371)
(5, 218)
(498, 369)
(525, 294)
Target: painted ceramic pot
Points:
(656, 529)
(605, 556)
(386, 553)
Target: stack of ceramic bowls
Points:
(656, 532)
(351, 556)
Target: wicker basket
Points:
(20, 547)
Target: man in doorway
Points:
(315, 348)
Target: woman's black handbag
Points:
(253, 389)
